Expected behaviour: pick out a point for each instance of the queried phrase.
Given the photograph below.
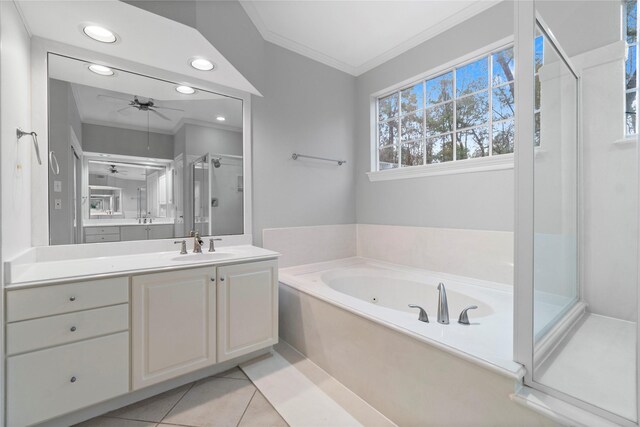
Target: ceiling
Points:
(144, 37)
(356, 36)
(128, 172)
(99, 99)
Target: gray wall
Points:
(307, 107)
(201, 140)
(481, 200)
(127, 142)
(64, 116)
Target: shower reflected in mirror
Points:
(139, 160)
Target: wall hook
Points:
(20, 133)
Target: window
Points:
(463, 112)
(538, 52)
(630, 78)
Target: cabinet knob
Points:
(72, 299)
(213, 279)
(73, 329)
(73, 379)
(222, 279)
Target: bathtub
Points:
(381, 292)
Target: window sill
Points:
(626, 140)
(494, 163)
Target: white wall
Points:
(15, 157)
(64, 119)
(481, 200)
(610, 191)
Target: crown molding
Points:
(356, 70)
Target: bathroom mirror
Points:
(132, 157)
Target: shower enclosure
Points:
(218, 186)
(576, 202)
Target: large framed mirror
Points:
(134, 157)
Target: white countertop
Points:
(48, 272)
(124, 222)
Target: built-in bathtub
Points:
(381, 292)
(351, 317)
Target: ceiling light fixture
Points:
(202, 64)
(99, 34)
(185, 90)
(221, 118)
(101, 69)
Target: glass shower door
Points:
(201, 195)
(555, 216)
(577, 208)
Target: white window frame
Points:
(478, 164)
(624, 80)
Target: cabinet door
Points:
(160, 231)
(247, 308)
(173, 324)
(133, 232)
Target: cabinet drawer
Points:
(48, 383)
(89, 231)
(30, 303)
(97, 238)
(35, 334)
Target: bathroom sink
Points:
(205, 256)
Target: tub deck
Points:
(488, 341)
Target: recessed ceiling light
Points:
(101, 69)
(202, 64)
(99, 34)
(221, 118)
(186, 90)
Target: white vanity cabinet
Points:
(189, 319)
(173, 324)
(247, 308)
(71, 345)
(67, 347)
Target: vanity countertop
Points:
(124, 222)
(50, 272)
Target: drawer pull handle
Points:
(73, 379)
(73, 329)
(72, 299)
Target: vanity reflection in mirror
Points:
(137, 158)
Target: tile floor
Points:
(227, 399)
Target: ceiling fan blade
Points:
(125, 111)
(115, 97)
(162, 116)
(168, 108)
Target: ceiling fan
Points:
(141, 104)
(113, 170)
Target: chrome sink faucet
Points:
(212, 247)
(443, 307)
(197, 243)
(183, 246)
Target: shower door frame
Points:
(526, 18)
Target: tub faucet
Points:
(423, 317)
(443, 307)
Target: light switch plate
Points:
(57, 204)
(57, 186)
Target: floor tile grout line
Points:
(179, 400)
(248, 404)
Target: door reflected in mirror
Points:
(140, 160)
